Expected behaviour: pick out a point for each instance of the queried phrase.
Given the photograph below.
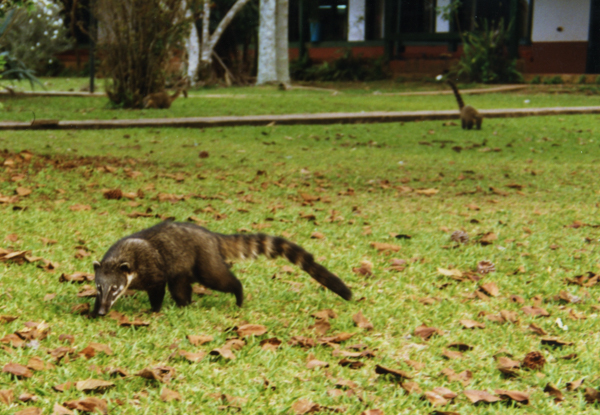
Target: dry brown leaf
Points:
(555, 341)
(537, 329)
(338, 338)
(490, 288)
(516, 396)
(454, 273)
(381, 370)
(61, 410)
(365, 269)
(591, 395)
(325, 314)
(411, 387)
(199, 340)
(7, 319)
(476, 396)
(168, 395)
(88, 405)
(427, 192)
(192, 357)
(302, 341)
(445, 392)
(251, 330)
(17, 370)
(304, 406)
(317, 235)
(35, 363)
(29, 411)
(372, 412)
(93, 385)
(471, 324)
(449, 354)
(385, 247)
(535, 311)
(162, 374)
(488, 238)
(425, 332)
(435, 399)
(571, 386)
(79, 207)
(6, 396)
(223, 352)
(321, 327)
(361, 321)
(314, 363)
(271, 344)
(554, 391)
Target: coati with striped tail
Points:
(175, 255)
(469, 116)
(161, 99)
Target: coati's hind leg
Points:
(217, 276)
(479, 120)
(464, 124)
(156, 295)
(180, 288)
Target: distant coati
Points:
(177, 254)
(469, 116)
(161, 99)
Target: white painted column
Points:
(441, 25)
(356, 20)
(561, 21)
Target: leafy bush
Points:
(536, 80)
(555, 80)
(582, 79)
(34, 38)
(346, 68)
(136, 40)
(485, 58)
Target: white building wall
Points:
(441, 25)
(356, 20)
(573, 16)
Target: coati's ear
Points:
(125, 267)
(96, 265)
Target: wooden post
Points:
(92, 61)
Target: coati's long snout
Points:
(176, 255)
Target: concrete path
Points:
(290, 119)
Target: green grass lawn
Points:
(525, 180)
(269, 100)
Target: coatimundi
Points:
(175, 255)
(162, 99)
(469, 116)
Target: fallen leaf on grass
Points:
(338, 338)
(535, 311)
(6, 396)
(361, 321)
(534, 361)
(490, 288)
(427, 192)
(317, 235)
(76, 277)
(365, 269)
(591, 395)
(382, 370)
(251, 330)
(61, 410)
(17, 370)
(449, 354)
(95, 385)
(372, 412)
(453, 273)
(325, 314)
(425, 332)
(88, 405)
(476, 396)
(321, 327)
(29, 411)
(384, 247)
(124, 320)
(463, 377)
(168, 395)
(37, 364)
(192, 357)
(487, 238)
(304, 406)
(314, 363)
(435, 399)
(163, 374)
(199, 340)
(302, 341)
(471, 324)
(411, 387)
(554, 391)
(271, 344)
(555, 341)
(571, 386)
(508, 366)
(516, 396)
(79, 207)
(7, 319)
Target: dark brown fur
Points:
(469, 116)
(178, 254)
(161, 99)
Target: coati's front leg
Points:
(156, 295)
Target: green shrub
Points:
(582, 79)
(555, 80)
(485, 57)
(345, 68)
(597, 80)
(536, 80)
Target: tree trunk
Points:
(193, 48)
(267, 54)
(281, 40)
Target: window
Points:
(417, 16)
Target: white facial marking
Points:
(122, 289)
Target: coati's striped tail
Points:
(252, 245)
(459, 99)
